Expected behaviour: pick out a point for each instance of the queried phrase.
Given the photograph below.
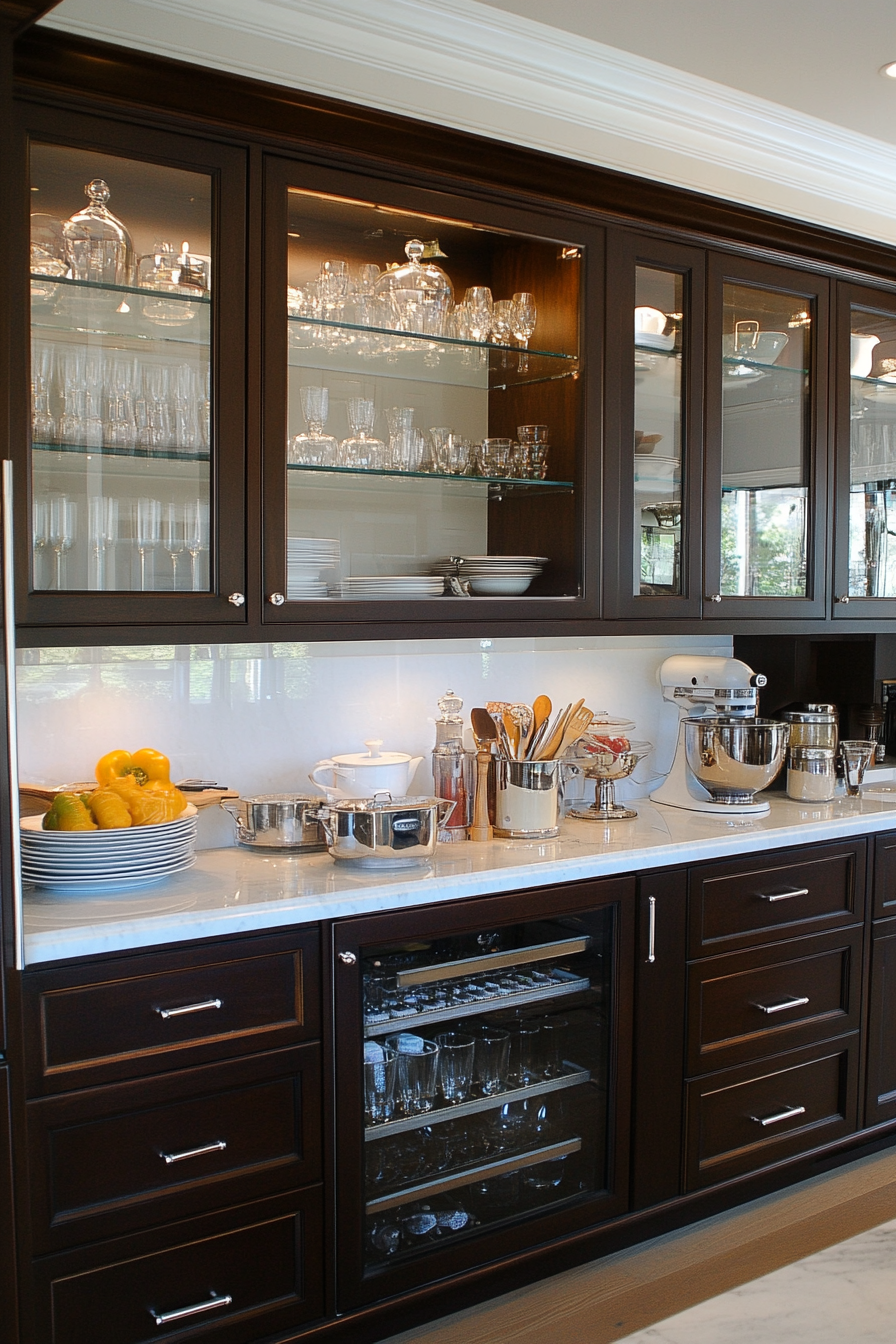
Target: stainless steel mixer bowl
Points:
(735, 758)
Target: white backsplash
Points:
(257, 717)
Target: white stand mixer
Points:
(701, 686)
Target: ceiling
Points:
(820, 57)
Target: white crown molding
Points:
(462, 63)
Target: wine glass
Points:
(62, 519)
(479, 312)
(40, 535)
(148, 532)
(524, 314)
(173, 537)
(315, 447)
(102, 531)
(196, 536)
(361, 449)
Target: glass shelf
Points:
(85, 308)
(574, 1078)
(151, 454)
(382, 352)
(527, 483)
(566, 983)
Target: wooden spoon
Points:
(541, 710)
(484, 730)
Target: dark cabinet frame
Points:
(226, 165)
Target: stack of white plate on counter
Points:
(84, 863)
(494, 575)
(306, 557)
(381, 586)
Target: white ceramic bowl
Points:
(504, 585)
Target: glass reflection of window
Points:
(765, 440)
(659, 422)
(872, 455)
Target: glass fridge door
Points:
(487, 1072)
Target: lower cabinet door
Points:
(231, 1287)
(880, 1088)
(8, 1316)
(744, 1119)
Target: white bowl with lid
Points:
(361, 774)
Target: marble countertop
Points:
(235, 890)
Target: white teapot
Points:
(362, 774)
(861, 354)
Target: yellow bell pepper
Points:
(153, 764)
(150, 806)
(110, 810)
(114, 765)
(68, 813)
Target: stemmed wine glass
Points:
(315, 448)
(196, 536)
(147, 534)
(524, 314)
(102, 528)
(62, 519)
(361, 449)
(173, 537)
(40, 535)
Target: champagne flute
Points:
(102, 527)
(40, 535)
(524, 315)
(62, 520)
(196, 536)
(173, 537)
(149, 517)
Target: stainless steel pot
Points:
(280, 821)
(384, 832)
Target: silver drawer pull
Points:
(783, 895)
(792, 1002)
(189, 1008)
(166, 1317)
(651, 929)
(217, 1147)
(787, 1114)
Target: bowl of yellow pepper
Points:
(134, 828)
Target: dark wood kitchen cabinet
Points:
(681, 376)
(9, 1315)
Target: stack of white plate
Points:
(87, 863)
(494, 575)
(306, 557)
(390, 586)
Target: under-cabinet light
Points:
(889, 70)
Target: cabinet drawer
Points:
(747, 1004)
(112, 1159)
(231, 1286)
(138, 1015)
(760, 900)
(744, 1119)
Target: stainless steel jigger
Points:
(605, 768)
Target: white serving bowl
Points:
(503, 585)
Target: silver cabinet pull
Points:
(844, 598)
(713, 597)
(276, 599)
(189, 1008)
(347, 958)
(794, 1001)
(651, 929)
(787, 1114)
(215, 1301)
(236, 599)
(771, 897)
(217, 1147)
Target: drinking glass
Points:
(502, 321)
(361, 449)
(147, 533)
(554, 1031)
(314, 448)
(402, 438)
(102, 531)
(495, 456)
(173, 537)
(417, 1069)
(491, 1059)
(196, 537)
(524, 314)
(455, 1065)
(379, 1082)
(479, 312)
(62, 519)
(525, 1040)
(856, 754)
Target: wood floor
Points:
(602, 1302)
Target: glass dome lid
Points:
(97, 245)
(420, 292)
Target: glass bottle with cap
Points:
(452, 768)
(97, 245)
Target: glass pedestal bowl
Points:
(605, 767)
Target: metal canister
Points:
(813, 725)
(811, 774)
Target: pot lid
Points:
(373, 755)
(384, 802)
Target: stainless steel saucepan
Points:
(279, 821)
(382, 831)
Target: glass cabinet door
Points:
(866, 518)
(488, 1092)
(654, 418)
(126, 359)
(429, 420)
(765, 492)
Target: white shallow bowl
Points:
(504, 585)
